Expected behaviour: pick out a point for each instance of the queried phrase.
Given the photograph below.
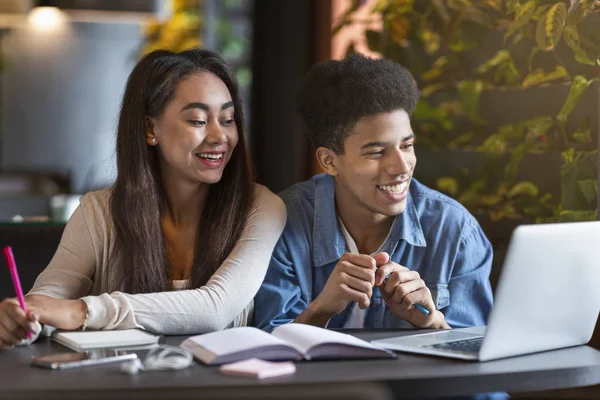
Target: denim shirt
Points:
(435, 236)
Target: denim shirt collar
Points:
(328, 241)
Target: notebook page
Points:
(235, 340)
(303, 337)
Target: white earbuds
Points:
(158, 359)
(132, 367)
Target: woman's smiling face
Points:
(196, 133)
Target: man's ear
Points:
(327, 160)
(151, 138)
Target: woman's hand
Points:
(59, 313)
(15, 323)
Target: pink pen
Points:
(12, 267)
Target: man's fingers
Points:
(404, 289)
(400, 278)
(390, 285)
(354, 295)
(381, 258)
(360, 260)
(358, 285)
(385, 270)
(421, 296)
(365, 274)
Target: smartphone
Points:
(81, 359)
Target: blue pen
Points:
(417, 306)
(422, 309)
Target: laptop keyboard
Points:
(462, 346)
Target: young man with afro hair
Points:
(366, 245)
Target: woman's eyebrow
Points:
(205, 107)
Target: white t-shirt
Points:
(356, 319)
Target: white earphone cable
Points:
(160, 358)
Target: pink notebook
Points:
(256, 368)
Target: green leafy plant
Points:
(184, 30)
(464, 52)
(181, 31)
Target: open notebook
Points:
(88, 340)
(287, 342)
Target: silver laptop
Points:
(548, 297)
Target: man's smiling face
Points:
(377, 165)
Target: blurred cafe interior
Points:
(508, 122)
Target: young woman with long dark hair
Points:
(181, 243)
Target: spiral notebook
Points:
(122, 339)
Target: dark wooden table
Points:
(410, 376)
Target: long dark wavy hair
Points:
(140, 263)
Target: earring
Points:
(153, 140)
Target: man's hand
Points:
(402, 289)
(60, 313)
(351, 280)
